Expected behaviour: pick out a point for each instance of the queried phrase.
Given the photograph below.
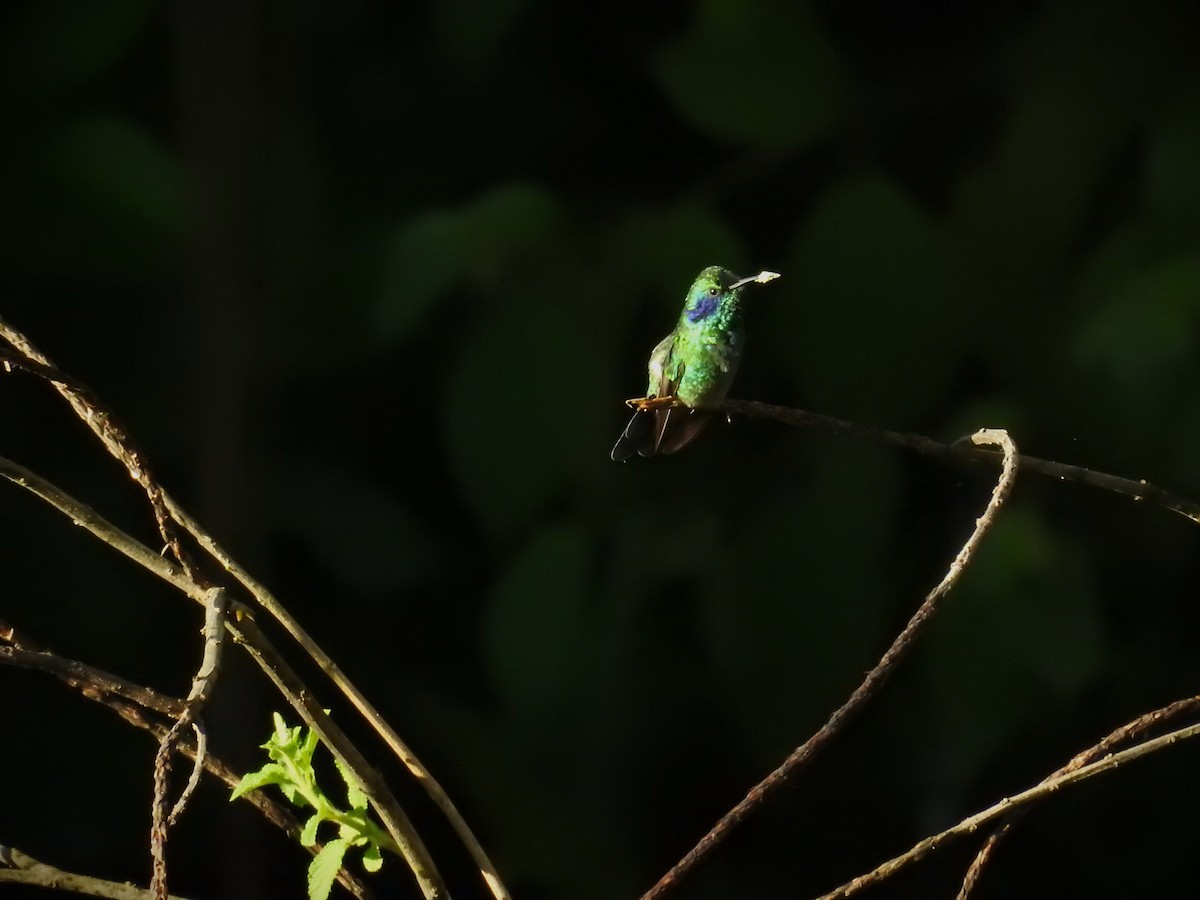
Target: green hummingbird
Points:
(691, 368)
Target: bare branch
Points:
(356, 697)
(873, 681)
(20, 868)
(104, 425)
(972, 823)
(247, 633)
(128, 700)
(957, 452)
(1126, 732)
(202, 684)
(92, 682)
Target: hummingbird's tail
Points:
(659, 431)
(638, 437)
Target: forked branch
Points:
(867, 689)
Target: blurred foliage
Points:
(369, 283)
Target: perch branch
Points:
(958, 452)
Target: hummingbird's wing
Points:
(679, 426)
(675, 427)
(670, 373)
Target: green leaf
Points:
(439, 250)
(324, 868)
(426, 257)
(1019, 632)
(520, 420)
(294, 794)
(506, 222)
(867, 309)
(282, 734)
(120, 166)
(473, 28)
(1172, 176)
(304, 753)
(783, 625)
(667, 247)
(372, 859)
(308, 835)
(355, 796)
(1070, 122)
(1143, 333)
(753, 70)
(536, 622)
(60, 44)
(357, 528)
(271, 773)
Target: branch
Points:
(101, 420)
(1107, 745)
(356, 697)
(1006, 806)
(873, 681)
(19, 868)
(203, 682)
(128, 701)
(247, 633)
(957, 452)
(91, 682)
(103, 424)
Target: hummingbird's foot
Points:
(642, 404)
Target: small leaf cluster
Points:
(290, 750)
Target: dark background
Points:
(369, 281)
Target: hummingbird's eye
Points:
(713, 292)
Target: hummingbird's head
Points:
(713, 288)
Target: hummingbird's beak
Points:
(760, 278)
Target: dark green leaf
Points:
(758, 71)
(865, 310)
(536, 622)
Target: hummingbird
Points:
(691, 368)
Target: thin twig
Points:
(21, 868)
(166, 512)
(356, 697)
(203, 682)
(957, 452)
(104, 425)
(200, 735)
(873, 681)
(1040, 791)
(92, 682)
(247, 633)
(1125, 733)
(128, 701)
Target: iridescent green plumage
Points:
(691, 368)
